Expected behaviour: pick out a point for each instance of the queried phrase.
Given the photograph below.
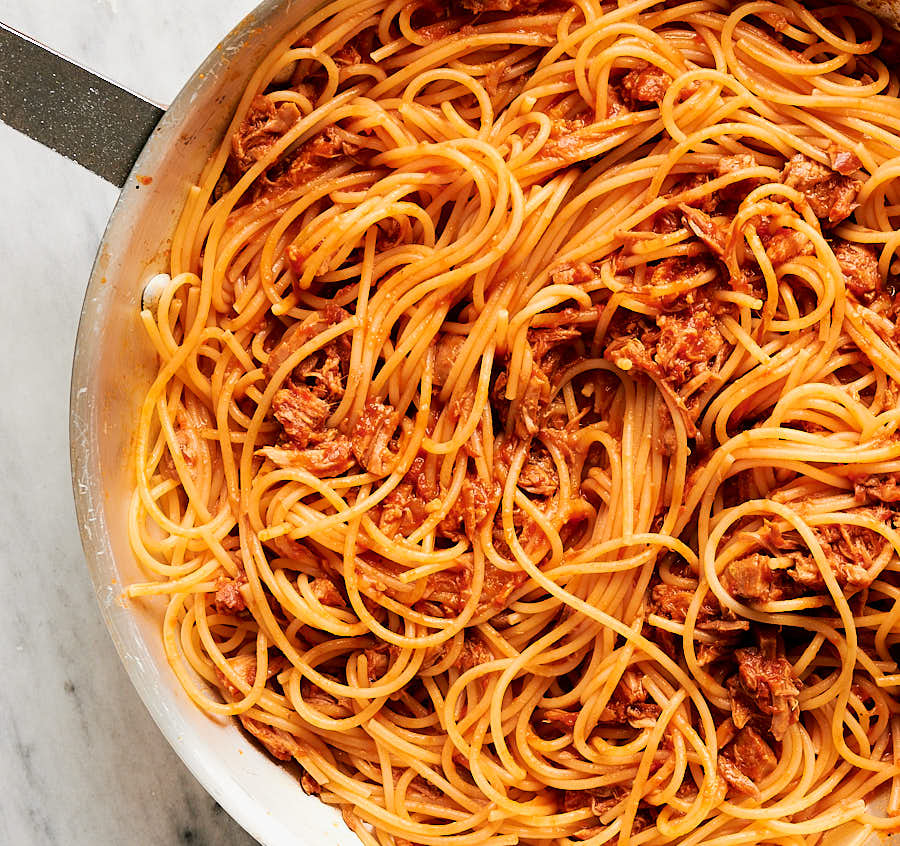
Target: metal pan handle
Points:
(70, 109)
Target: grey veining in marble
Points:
(81, 763)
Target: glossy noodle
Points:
(523, 458)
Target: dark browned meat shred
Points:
(831, 195)
(746, 761)
(300, 412)
(756, 578)
(878, 487)
(645, 85)
(673, 603)
(263, 125)
(786, 244)
(712, 233)
(229, 599)
(843, 161)
(765, 686)
(859, 264)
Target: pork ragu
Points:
(525, 463)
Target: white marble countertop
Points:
(81, 762)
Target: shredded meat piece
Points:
(244, 667)
(735, 164)
(336, 707)
(598, 799)
(379, 577)
(631, 353)
(843, 161)
(331, 456)
(684, 346)
(310, 786)
(604, 800)
(475, 505)
(705, 228)
(531, 404)
(326, 592)
(831, 195)
(378, 660)
(229, 599)
(446, 592)
(392, 232)
(758, 578)
(753, 756)
(736, 191)
(615, 105)
(310, 160)
(688, 343)
(641, 714)
(278, 743)
(672, 603)
(347, 56)
(679, 277)
(402, 511)
(666, 221)
(358, 49)
(773, 539)
(558, 717)
(301, 414)
(539, 476)
(406, 507)
(572, 450)
(498, 587)
(859, 264)
(574, 273)
(879, 487)
(188, 442)
(551, 348)
(645, 85)
(545, 341)
(571, 140)
(850, 550)
(735, 777)
(766, 686)
(371, 437)
(604, 804)
(323, 371)
(708, 653)
(790, 570)
(629, 704)
(262, 126)
(786, 244)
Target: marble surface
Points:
(81, 762)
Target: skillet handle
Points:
(70, 109)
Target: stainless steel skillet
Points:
(107, 129)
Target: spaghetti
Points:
(523, 458)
